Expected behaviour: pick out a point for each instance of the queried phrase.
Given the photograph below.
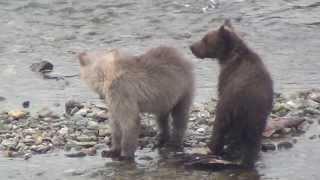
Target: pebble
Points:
(27, 156)
(315, 96)
(64, 131)
(285, 145)
(268, 147)
(26, 104)
(313, 137)
(104, 131)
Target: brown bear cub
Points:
(161, 82)
(245, 92)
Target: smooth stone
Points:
(84, 138)
(83, 144)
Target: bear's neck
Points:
(234, 52)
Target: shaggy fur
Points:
(245, 91)
(160, 82)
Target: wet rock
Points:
(104, 131)
(82, 112)
(42, 67)
(17, 114)
(92, 125)
(64, 131)
(75, 154)
(72, 106)
(58, 141)
(28, 141)
(26, 104)
(285, 145)
(40, 149)
(45, 112)
(101, 116)
(9, 143)
(27, 156)
(268, 147)
(280, 109)
(315, 96)
(313, 137)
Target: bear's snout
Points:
(197, 50)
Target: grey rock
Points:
(84, 138)
(75, 154)
(72, 107)
(315, 96)
(92, 125)
(104, 131)
(26, 104)
(285, 145)
(40, 148)
(9, 143)
(43, 67)
(27, 156)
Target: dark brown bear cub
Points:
(245, 92)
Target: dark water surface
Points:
(286, 33)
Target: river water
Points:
(286, 33)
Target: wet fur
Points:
(245, 91)
(160, 82)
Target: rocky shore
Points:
(84, 128)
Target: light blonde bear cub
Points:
(160, 81)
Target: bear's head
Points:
(216, 43)
(97, 69)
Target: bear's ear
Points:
(83, 59)
(227, 24)
(225, 33)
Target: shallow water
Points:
(285, 33)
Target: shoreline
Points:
(83, 128)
